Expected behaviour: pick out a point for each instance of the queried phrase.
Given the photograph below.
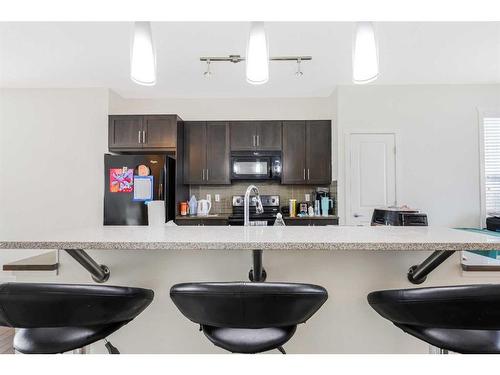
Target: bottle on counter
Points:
(193, 206)
(293, 207)
(279, 222)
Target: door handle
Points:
(139, 137)
(304, 173)
(308, 174)
(143, 136)
(257, 141)
(207, 174)
(203, 175)
(254, 142)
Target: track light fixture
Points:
(299, 72)
(237, 59)
(208, 73)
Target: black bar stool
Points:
(56, 318)
(248, 317)
(462, 319)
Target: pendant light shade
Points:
(365, 54)
(257, 58)
(143, 55)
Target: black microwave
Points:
(255, 165)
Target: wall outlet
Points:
(209, 197)
(217, 197)
(308, 197)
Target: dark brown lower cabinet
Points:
(201, 221)
(310, 222)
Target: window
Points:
(490, 166)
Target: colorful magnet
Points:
(121, 180)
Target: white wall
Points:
(227, 109)
(51, 158)
(438, 144)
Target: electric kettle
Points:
(204, 207)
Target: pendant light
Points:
(143, 55)
(365, 54)
(257, 58)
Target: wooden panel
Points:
(322, 222)
(214, 222)
(294, 161)
(195, 155)
(296, 221)
(188, 221)
(243, 135)
(318, 152)
(125, 132)
(268, 135)
(160, 131)
(42, 262)
(217, 144)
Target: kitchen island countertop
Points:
(250, 238)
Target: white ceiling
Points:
(97, 55)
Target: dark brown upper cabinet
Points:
(306, 152)
(143, 133)
(255, 135)
(206, 153)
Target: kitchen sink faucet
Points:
(258, 207)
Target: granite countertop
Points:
(248, 238)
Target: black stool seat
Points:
(248, 317)
(463, 319)
(56, 318)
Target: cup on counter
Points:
(293, 207)
(184, 208)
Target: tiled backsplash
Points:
(226, 193)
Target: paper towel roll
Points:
(156, 213)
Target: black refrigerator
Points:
(121, 206)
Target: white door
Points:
(371, 175)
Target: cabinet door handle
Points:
(254, 143)
(258, 140)
(207, 174)
(203, 175)
(143, 136)
(308, 174)
(304, 173)
(139, 136)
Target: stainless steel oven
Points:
(255, 165)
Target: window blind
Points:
(491, 131)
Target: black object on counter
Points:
(493, 223)
(398, 217)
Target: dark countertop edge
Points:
(194, 217)
(229, 246)
(331, 217)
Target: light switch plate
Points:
(217, 197)
(308, 197)
(209, 197)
